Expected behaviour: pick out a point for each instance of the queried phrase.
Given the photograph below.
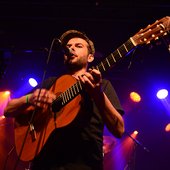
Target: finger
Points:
(50, 97)
(81, 78)
(37, 94)
(96, 75)
(89, 76)
(88, 81)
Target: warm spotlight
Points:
(4, 95)
(135, 132)
(135, 97)
(167, 128)
(2, 117)
(4, 98)
(7, 93)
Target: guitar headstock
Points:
(152, 32)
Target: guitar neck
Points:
(103, 66)
(115, 57)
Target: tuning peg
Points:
(161, 31)
(149, 25)
(145, 39)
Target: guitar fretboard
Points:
(114, 57)
(103, 66)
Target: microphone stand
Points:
(31, 126)
(137, 143)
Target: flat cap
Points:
(66, 36)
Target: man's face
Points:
(80, 57)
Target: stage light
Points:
(5, 97)
(167, 128)
(7, 92)
(162, 94)
(33, 82)
(135, 132)
(135, 97)
(2, 117)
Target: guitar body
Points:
(44, 122)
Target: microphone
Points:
(65, 50)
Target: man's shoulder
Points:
(49, 82)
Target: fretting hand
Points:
(92, 82)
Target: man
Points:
(78, 144)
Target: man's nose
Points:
(72, 48)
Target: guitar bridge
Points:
(33, 132)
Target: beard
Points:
(75, 66)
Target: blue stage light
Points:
(33, 82)
(162, 94)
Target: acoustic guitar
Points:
(30, 137)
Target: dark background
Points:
(32, 25)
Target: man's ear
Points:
(90, 58)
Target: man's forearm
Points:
(15, 106)
(111, 116)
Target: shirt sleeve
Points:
(111, 94)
